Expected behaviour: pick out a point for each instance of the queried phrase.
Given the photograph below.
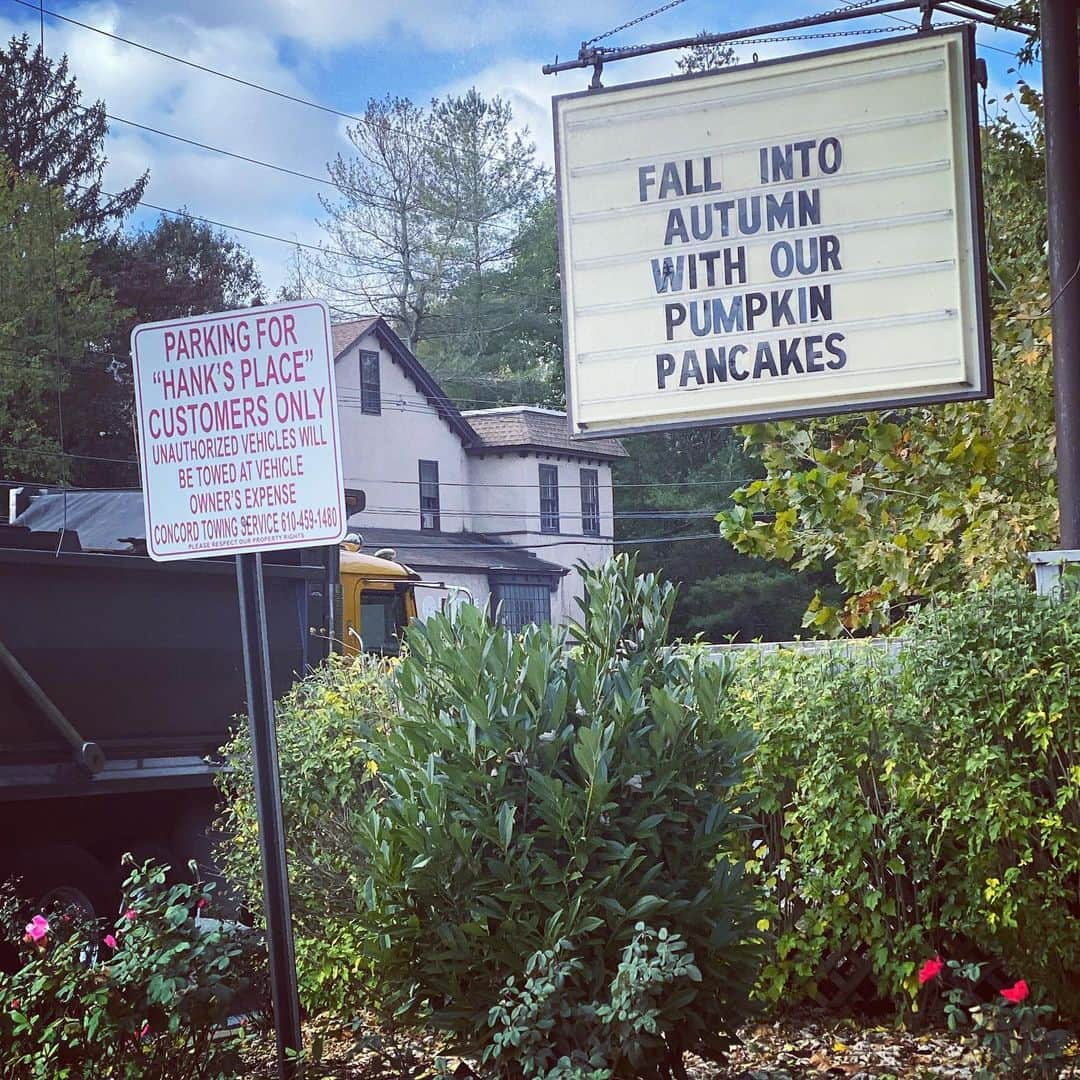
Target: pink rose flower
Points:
(110, 941)
(37, 927)
(931, 970)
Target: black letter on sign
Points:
(665, 366)
(674, 315)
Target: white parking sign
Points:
(238, 441)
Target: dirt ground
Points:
(801, 1048)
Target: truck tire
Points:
(65, 875)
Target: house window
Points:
(370, 390)
(590, 502)
(549, 498)
(522, 603)
(429, 495)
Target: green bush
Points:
(993, 684)
(143, 1000)
(536, 814)
(325, 731)
(531, 798)
(931, 801)
(833, 847)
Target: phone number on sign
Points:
(290, 521)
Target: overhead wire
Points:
(326, 181)
(249, 83)
(294, 243)
(915, 26)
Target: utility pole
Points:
(1061, 88)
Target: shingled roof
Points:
(528, 427)
(346, 334)
(464, 552)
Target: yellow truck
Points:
(378, 599)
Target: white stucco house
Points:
(497, 505)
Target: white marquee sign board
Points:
(782, 239)
(238, 441)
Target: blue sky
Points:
(343, 54)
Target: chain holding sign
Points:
(237, 420)
(790, 238)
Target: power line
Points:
(492, 224)
(104, 359)
(37, 8)
(915, 26)
(647, 514)
(576, 541)
(187, 215)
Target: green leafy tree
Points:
(673, 483)
(484, 176)
(180, 267)
(46, 132)
(54, 315)
(911, 502)
(705, 57)
(177, 268)
(521, 358)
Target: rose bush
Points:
(144, 999)
(1009, 1041)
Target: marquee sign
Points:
(781, 239)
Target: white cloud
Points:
(434, 25)
(284, 44)
(159, 93)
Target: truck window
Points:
(382, 621)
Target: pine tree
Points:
(46, 132)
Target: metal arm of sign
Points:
(596, 56)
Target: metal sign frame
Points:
(978, 249)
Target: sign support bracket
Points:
(275, 875)
(985, 11)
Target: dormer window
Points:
(370, 389)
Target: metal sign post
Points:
(278, 911)
(1060, 74)
(237, 424)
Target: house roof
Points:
(469, 552)
(345, 335)
(515, 427)
(528, 427)
(104, 520)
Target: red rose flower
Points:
(931, 969)
(1015, 993)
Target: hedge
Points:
(926, 803)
